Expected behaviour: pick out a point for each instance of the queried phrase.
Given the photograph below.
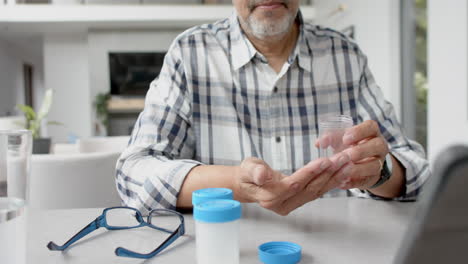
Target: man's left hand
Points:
(367, 151)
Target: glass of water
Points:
(15, 157)
(331, 131)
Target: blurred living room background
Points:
(99, 56)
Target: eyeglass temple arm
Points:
(98, 222)
(123, 252)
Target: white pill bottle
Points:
(217, 231)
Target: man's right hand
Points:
(257, 182)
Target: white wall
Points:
(77, 69)
(378, 34)
(66, 71)
(76, 66)
(448, 74)
(13, 54)
(103, 42)
(8, 82)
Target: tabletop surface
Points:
(330, 230)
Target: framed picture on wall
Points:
(28, 77)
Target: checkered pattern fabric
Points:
(217, 101)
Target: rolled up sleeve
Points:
(151, 170)
(372, 106)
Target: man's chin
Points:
(269, 21)
(266, 34)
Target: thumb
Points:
(256, 171)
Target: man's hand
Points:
(367, 153)
(257, 182)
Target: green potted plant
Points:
(33, 122)
(102, 113)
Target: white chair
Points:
(73, 181)
(11, 122)
(103, 144)
(65, 148)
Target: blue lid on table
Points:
(202, 195)
(217, 211)
(279, 252)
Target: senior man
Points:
(237, 105)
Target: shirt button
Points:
(275, 90)
(278, 139)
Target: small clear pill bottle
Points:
(331, 131)
(203, 195)
(217, 231)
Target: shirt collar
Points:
(243, 51)
(301, 52)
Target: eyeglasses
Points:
(122, 217)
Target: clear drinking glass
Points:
(331, 131)
(15, 156)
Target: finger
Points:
(368, 128)
(297, 182)
(317, 143)
(336, 179)
(375, 147)
(339, 160)
(317, 187)
(291, 204)
(306, 174)
(362, 175)
(256, 171)
(261, 174)
(336, 140)
(344, 174)
(323, 141)
(267, 192)
(321, 184)
(312, 191)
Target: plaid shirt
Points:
(217, 101)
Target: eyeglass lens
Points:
(164, 220)
(122, 217)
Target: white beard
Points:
(264, 29)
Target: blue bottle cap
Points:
(202, 195)
(217, 211)
(279, 252)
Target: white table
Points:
(330, 230)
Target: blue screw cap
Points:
(279, 252)
(217, 211)
(203, 195)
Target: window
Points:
(420, 75)
(28, 72)
(414, 69)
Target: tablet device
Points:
(439, 231)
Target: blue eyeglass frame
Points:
(101, 221)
